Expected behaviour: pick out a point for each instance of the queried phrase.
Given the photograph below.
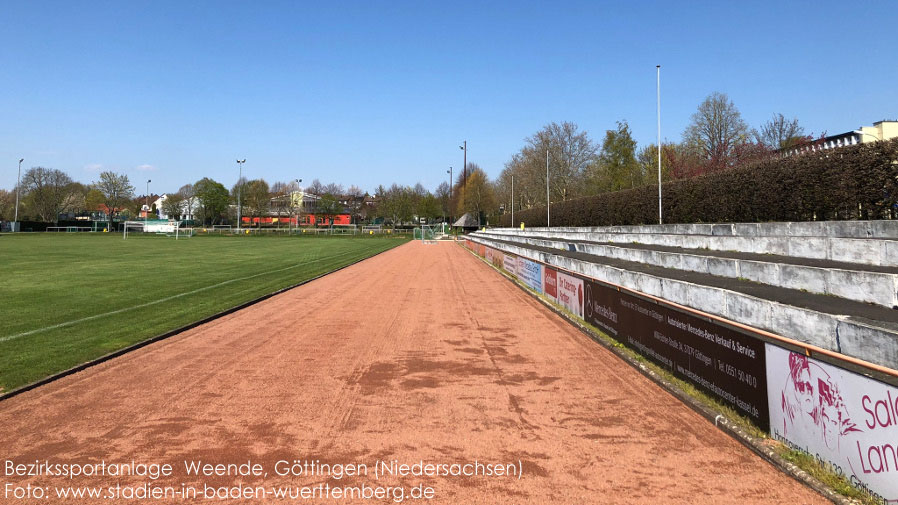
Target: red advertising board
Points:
(550, 282)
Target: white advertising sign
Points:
(842, 418)
(510, 264)
(570, 293)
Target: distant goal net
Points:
(157, 227)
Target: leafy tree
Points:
(117, 192)
(442, 196)
(715, 132)
(648, 161)
(49, 192)
(617, 167)
(257, 199)
(428, 207)
(329, 208)
(477, 195)
(7, 205)
(212, 199)
(173, 205)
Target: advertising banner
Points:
(550, 282)
(570, 293)
(510, 264)
(482, 251)
(498, 258)
(531, 273)
(490, 254)
(723, 363)
(841, 418)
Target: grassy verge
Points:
(70, 298)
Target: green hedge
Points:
(856, 182)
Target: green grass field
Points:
(68, 298)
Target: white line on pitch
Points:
(161, 300)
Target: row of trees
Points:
(48, 193)
(717, 138)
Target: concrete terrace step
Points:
(867, 251)
(859, 282)
(865, 331)
(843, 229)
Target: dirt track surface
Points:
(421, 353)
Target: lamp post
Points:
(658, 68)
(450, 192)
(146, 216)
(292, 207)
(464, 168)
(512, 200)
(18, 183)
(861, 132)
(239, 187)
(548, 206)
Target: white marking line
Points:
(161, 300)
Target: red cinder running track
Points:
(423, 353)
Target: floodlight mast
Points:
(18, 183)
(239, 187)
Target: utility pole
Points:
(146, 215)
(660, 219)
(450, 192)
(18, 183)
(239, 187)
(548, 202)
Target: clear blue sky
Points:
(373, 92)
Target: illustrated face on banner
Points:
(836, 415)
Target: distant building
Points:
(881, 130)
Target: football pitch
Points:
(70, 298)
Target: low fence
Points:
(840, 410)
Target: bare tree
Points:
(355, 191)
(779, 132)
(49, 191)
(258, 198)
(716, 130)
(334, 189)
(188, 200)
(117, 192)
(315, 187)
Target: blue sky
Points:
(380, 92)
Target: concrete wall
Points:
(870, 287)
(846, 229)
(882, 252)
(837, 333)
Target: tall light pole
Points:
(464, 168)
(146, 216)
(239, 187)
(548, 214)
(292, 208)
(512, 200)
(450, 192)
(18, 183)
(660, 219)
